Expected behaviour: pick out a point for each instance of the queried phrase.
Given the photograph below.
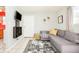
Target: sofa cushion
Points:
(60, 40)
(73, 37)
(61, 33)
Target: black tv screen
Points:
(18, 16)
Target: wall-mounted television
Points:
(18, 16)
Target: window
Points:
(75, 15)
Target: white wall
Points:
(40, 25)
(9, 21)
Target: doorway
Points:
(28, 26)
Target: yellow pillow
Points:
(53, 31)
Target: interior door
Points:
(28, 26)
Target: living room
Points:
(36, 19)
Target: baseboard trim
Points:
(28, 37)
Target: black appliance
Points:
(17, 31)
(18, 16)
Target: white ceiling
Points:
(39, 9)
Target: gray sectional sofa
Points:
(65, 41)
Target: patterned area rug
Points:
(35, 46)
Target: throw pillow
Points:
(53, 32)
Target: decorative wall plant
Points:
(46, 19)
